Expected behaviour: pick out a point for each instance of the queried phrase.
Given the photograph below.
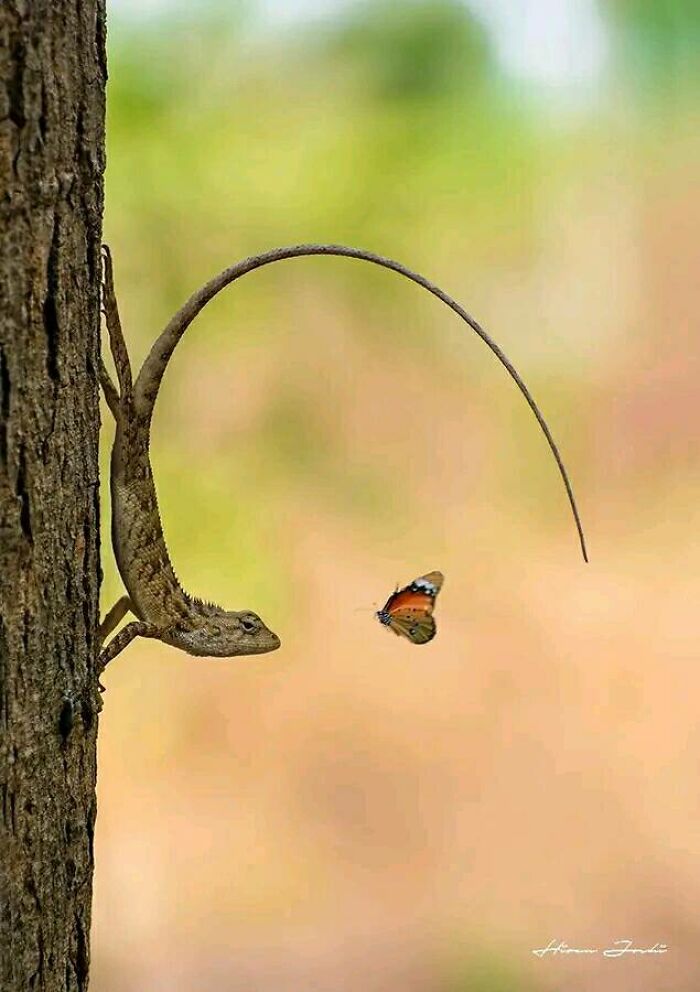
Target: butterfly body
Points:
(409, 611)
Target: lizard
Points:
(154, 595)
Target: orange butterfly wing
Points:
(407, 599)
(409, 611)
(419, 594)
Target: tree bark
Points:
(52, 88)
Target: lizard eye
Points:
(249, 625)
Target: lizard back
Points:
(137, 532)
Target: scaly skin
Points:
(163, 608)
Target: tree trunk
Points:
(52, 86)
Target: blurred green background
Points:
(352, 812)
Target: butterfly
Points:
(409, 611)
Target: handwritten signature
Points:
(618, 949)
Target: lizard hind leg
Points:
(109, 389)
(114, 329)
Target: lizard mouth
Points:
(205, 648)
(271, 643)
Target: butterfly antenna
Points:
(153, 369)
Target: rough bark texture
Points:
(52, 84)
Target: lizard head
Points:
(224, 634)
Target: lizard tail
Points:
(151, 374)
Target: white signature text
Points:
(618, 949)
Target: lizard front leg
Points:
(138, 628)
(124, 637)
(115, 616)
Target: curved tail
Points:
(151, 374)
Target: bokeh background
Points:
(351, 812)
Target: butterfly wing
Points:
(418, 595)
(418, 627)
(409, 611)
(432, 581)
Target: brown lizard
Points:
(164, 610)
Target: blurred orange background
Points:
(352, 812)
